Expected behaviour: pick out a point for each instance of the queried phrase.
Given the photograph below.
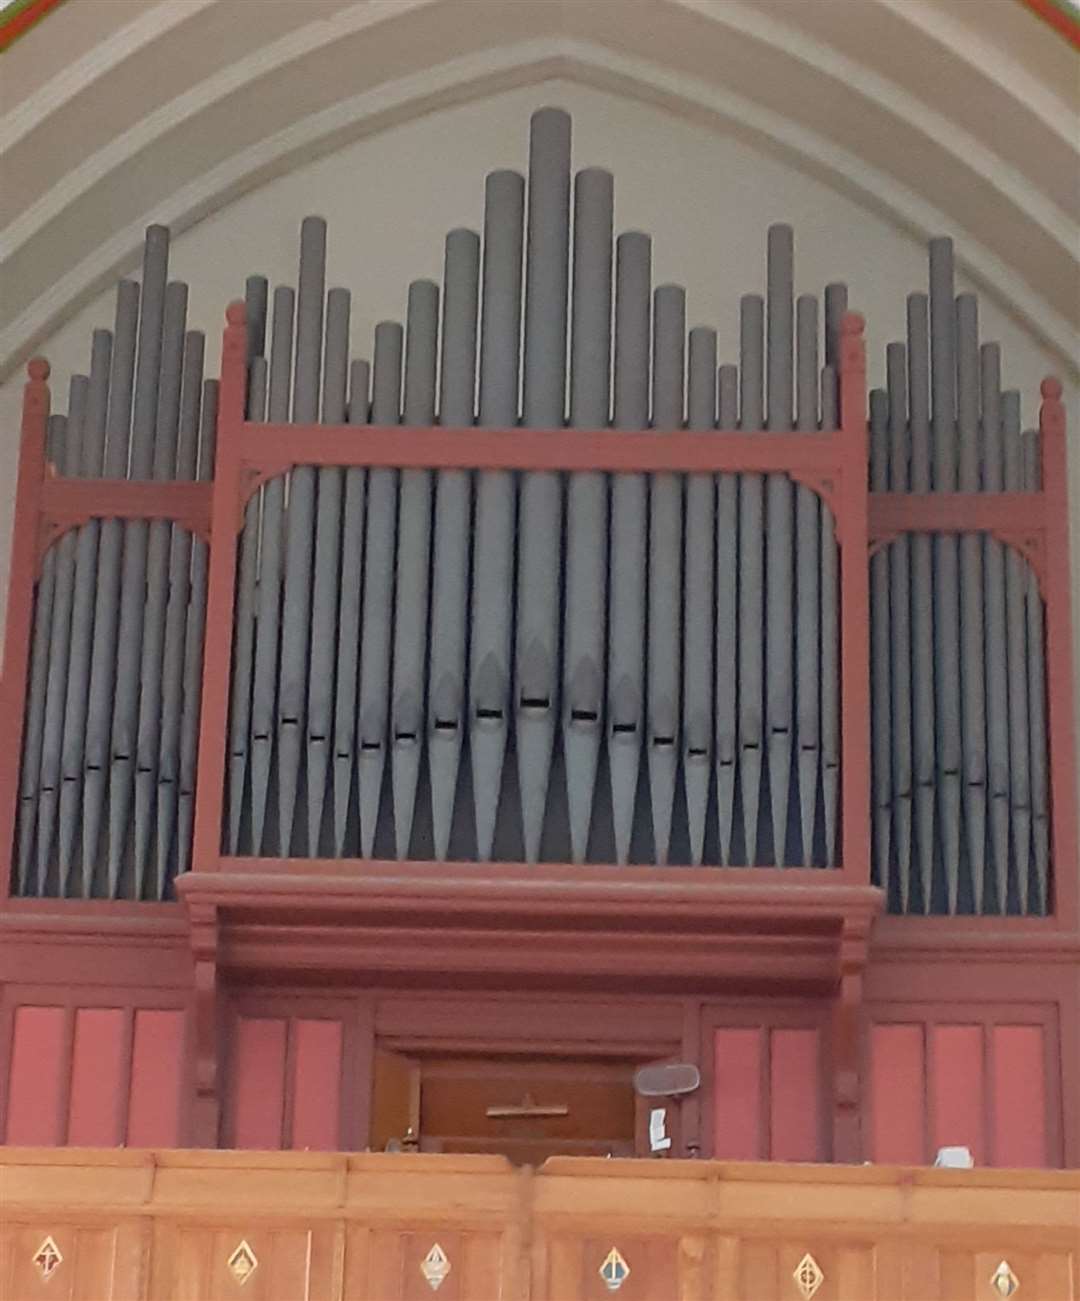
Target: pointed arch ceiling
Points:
(943, 114)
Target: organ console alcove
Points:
(544, 689)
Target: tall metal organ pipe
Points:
(629, 532)
(268, 588)
(349, 614)
(322, 661)
(407, 706)
(807, 585)
(899, 554)
(543, 407)
(663, 666)
(779, 548)
(728, 567)
(587, 502)
(373, 716)
(296, 611)
(451, 550)
(699, 606)
(751, 577)
(493, 549)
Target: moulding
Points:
(537, 927)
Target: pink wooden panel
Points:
(258, 1066)
(795, 1090)
(157, 1071)
(737, 1078)
(957, 1094)
(1020, 1101)
(98, 1078)
(35, 1086)
(316, 1085)
(897, 1089)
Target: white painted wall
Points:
(705, 197)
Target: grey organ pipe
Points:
(413, 565)
(996, 632)
(587, 502)
(663, 667)
(193, 647)
(880, 665)
(973, 632)
(82, 609)
(349, 606)
(268, 596)
(450, 550)
(543, 407)
(836, 300)
(59, 650)
(296, 626)
(1016, 585)
(922, 598)
(807, 585)
(377, 614)
(629, 532)
(727, 617)
(255, 293)
(493, 551)
(176, 614)
(699, 603)
(34, 729)
(107, 596)
(132, 612)
(1036, 665)
(899, 555)
(779, 553)
(751, 576)
(328, 561)
(157, 589)
(946, 562)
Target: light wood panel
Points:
(145, 1226)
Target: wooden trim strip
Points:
(21, 16)
(1060, 15)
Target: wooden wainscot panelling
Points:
(199, 1226)
(106, 1076)
(986, 1078)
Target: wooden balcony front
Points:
(202, 1226)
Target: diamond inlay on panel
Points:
(1004, 1281)
(242, 1263)
(808, 1276)
(614, 1271)
(435, 1266)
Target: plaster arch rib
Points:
(766, 70)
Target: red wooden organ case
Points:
(249, 1006)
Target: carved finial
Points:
(38, 369)
(1052, 412)
(236, 313)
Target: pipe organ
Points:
(542, 580)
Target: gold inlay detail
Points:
(48, 1258)
(614, 1271)
(242, 1263)
(435, 1266)
(808, 1276)
(1004, 1281)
